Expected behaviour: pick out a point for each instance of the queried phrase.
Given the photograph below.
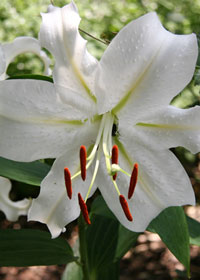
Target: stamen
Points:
(95, 172)
(68, 182)
(84, 209)
(125, 207)
(115, 153)
(83, 158)
(133, 180)
(116, 187)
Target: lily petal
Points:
(76, 100)
(33, 123)
(21, 45)
(162, 183)
(144, 67)
(167, 128)
(74, 67)
(53, 207)
(12, 209)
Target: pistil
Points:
(115, 158)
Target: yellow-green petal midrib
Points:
(168, 126)
(136, 83)
(141, 180)
(45, 121)
(76, 70)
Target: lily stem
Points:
(104, 42)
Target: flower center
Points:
(103, 145)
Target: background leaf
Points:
(32, 247)
(194, 231)
(109, 272)
(99, 207)
(73, 271)
(32, 76)
(30, 172)
(98, 243)
(172, 227)
(101, 238)
(125, 238)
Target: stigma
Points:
(103, 146)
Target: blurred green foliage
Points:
(100, 17)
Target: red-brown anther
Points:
(125, 207)
(133, 180)
(115, 158)
(84, 209)
(83, 159)
(68, 182)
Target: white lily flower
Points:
(12, 209)
(9, 51)
(118, 110)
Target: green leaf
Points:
(99, 207)
(32, 247)
(198, 41)
(101, 241)
(126, 240)
(101, 238)
(73, 271)
(197, 77)
(109, 272)
(98, 243)
(194, 231)
(30, 172)
(171, 226)
(32, 77)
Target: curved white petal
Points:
(169, 127)
(2, 61)
(21, 45)
(74, 67)
(162, 183)
(33, 123)
(145, 66)
(76, 100)
(12, 209)
(53, 207)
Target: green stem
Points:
(83, 248)
(104, 42)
